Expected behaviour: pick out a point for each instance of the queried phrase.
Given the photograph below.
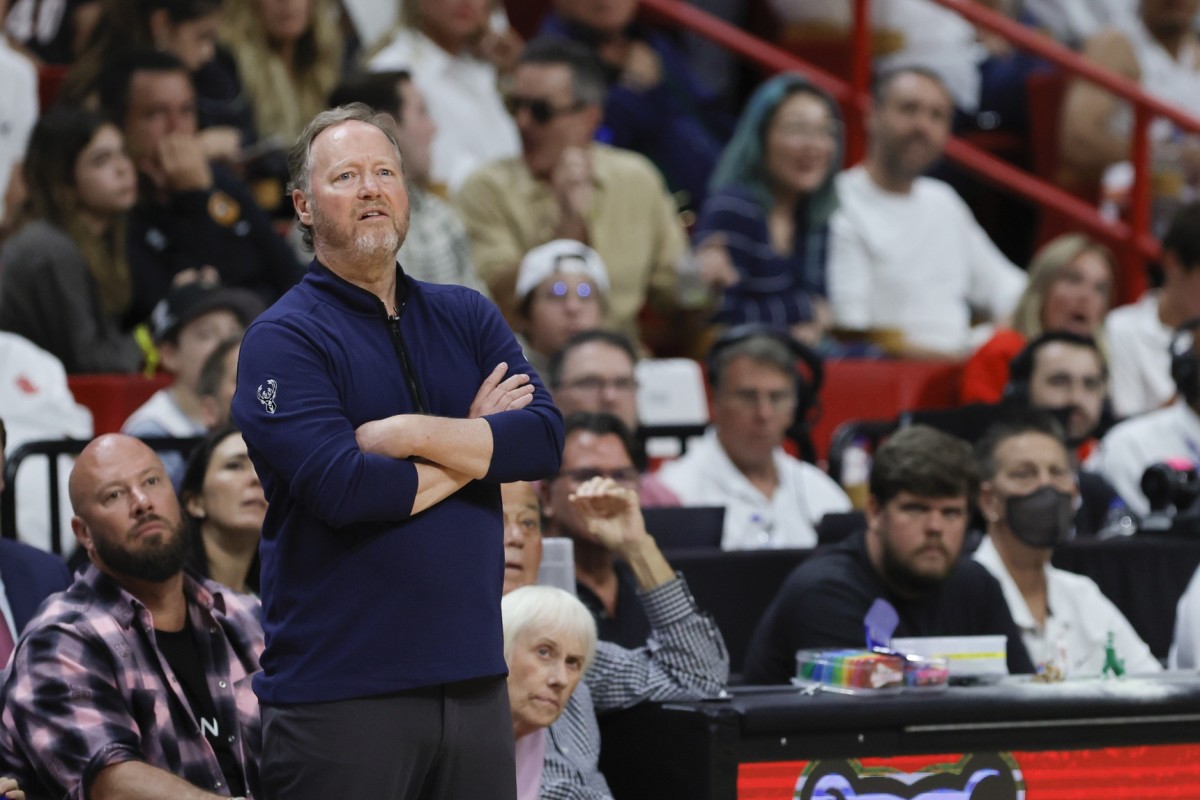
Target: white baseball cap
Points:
(560, 256)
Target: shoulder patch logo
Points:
(223, 209)
(267, 396)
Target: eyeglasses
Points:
(560, 289)
(595, 384)
(749, 398)
(626, 476)
(540, 110)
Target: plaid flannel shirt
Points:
(436, 248)
(684, 659)
(88, 687)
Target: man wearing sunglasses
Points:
(566, 186)
(598, 445)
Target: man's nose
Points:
(369, 186)
(140, 501)
(179, 122)
(1077, 395)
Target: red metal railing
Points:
(1132, 239)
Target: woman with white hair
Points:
(549, 641)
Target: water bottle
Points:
(856, 472)
(1118, 520)
(558, 563)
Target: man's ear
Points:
(544, 498)
(303, 208)
(989, 502)
(594, 115)
(168, 356)
(873, 511)
(208, 411)
(82, 534)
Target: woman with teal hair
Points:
(762, 235)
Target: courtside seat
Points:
(112, 398)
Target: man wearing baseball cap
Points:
(186, 326)
(562, 289)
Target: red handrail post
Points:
(860, 82)
(1132, 280)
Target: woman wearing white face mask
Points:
(1027, 498)
(549, 641)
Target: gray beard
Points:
(371, 245)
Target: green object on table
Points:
(1112, 664)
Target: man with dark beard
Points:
(133, 682)
(923, 483)
(381, 414)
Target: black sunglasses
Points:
(540, 110)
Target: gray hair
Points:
(300, 156)
(549, 609)
(761, 348)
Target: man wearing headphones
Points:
(1168, 433)
(1065, 373)
(771, 499)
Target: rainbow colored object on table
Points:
(869, 669)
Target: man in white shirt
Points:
(771, 499)
(442, 50)
(1138, 334)
(1027, 498)
(907, 259)
(1166, 434)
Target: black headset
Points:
(1020, 373)
(808, 388)
(1185, 363)
(1020, 369)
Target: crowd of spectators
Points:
(615, 208)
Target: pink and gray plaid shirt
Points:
(88, 687)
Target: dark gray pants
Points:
(436, 743)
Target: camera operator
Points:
(1170, 434)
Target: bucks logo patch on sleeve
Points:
(267, 394)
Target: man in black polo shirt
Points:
(923, 483)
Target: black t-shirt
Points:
(823, 602)
(630, 627)
(180, 650)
